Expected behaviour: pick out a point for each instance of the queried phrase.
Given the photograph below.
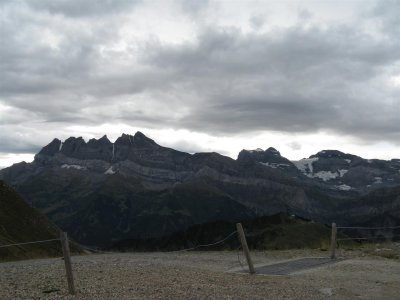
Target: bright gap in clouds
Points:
(7, 160)
(396, 80)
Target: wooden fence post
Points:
(246, 251)
(67, 262)
(333, 241)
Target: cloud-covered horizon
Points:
(293, 69)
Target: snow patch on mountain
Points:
(257, 150)
(273, 150)
(109, 171)
(78, 167)
(274, 165)
(343, 187)
(325, 175)
(328, 175)
(305, 165)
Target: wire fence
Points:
(52, 240)
(27, 243)
(102, 251)
(226, 238)
(239, 252)
(368, 228)
(366, 238)
(219, 242)
(373, 237)
(89, 248)
(206, 245)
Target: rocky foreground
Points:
(371, 274)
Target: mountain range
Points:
(103, 192)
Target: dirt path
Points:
(199, 275)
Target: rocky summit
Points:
(102, 192)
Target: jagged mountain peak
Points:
(73, 139)
(258, 154)
(125, 147)
(332, 154)
(51, 148)
(104, 138)
(96, 143)
(260, 151)
(140, 140)
(139, 134)
(124, 139)
(270, 158)
(273, 151)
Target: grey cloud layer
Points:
(87, 8)
(293, 80)
(58, 67)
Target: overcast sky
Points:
(202, 75)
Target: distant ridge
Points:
(102, 192)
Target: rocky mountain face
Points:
(270, 158)
(102, 192)
(333, 169)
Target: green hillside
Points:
(20, 223)
(277, 232)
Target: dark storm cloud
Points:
(294, 80)
(194, 8)
(68, 80)
(30, 66)
(274, 113)
(86, 8)
(287, 52)
(257, 21)
(12, 143)
(386, 13)
(50, 80)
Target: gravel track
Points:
(199, 275)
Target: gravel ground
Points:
(200, 275)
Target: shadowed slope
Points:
(19, 223)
